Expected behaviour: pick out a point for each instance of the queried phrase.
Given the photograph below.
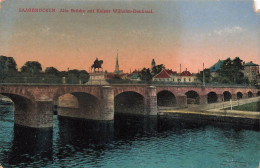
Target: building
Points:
(134, 77)
(167, 75)
(251, 71)
(163, 76)
(187, 77)
(117, 71)
(153, 64)
(214, 68)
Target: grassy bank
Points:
(255, 106)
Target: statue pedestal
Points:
(97, 78)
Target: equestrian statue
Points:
(97, 64)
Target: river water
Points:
(131, 141)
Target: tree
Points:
(206, 74)
(145, 75)
(156, 69)
(83, 76)
(75, 75)
(31, 68)
(231, 72)
(11, 66)
(3, 71)
(51, 71)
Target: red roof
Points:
(162, 74)
(109, 76)
(185, 73)
(130, 75)
(135, 72)
(169, 71)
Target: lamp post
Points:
(203, 75)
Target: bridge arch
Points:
(239, 95)
(227, 96)
(23, 109)
(249, 94)
(166, 98)
(16, 91)
(192, 97)
(79, 105)
(138, 90)
(258, 93)
(212, 97)
(74, 90)
(129, 102)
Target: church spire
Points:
(117, 59)
(117, 65)
(153, 64)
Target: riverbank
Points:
(216, 113)
(229, 117)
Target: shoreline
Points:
(243, 117)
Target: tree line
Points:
(32, 72)
(230, 72)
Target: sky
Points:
(186, 32)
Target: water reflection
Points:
(30, 145)
(129, 138)
(130, 126)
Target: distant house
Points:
(134, 77)
(167, 75)
(251, 71)
(214, 68)
(163, 76)
(123, 75)
(187, 77)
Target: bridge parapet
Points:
(34, 103)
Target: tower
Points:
(153, 64)
(117, 65)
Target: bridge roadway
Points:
(34, 102)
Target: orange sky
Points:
(172, 35)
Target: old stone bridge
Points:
(34, 103)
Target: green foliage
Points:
(145, 75)
(255, 106)
(8, 67)
(51, 71)
(206, 74)
(3, 71)
(74, 76)
(83, 76)
(156, 69)
(31, 68)
(231, 72)
(10, 63)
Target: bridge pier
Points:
(220, 97)
(38, 114)
(234, 97)
(181, 100)
(203, 99)
(151, 101)
(245, 95)
(107, 103)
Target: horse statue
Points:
(97, 64)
